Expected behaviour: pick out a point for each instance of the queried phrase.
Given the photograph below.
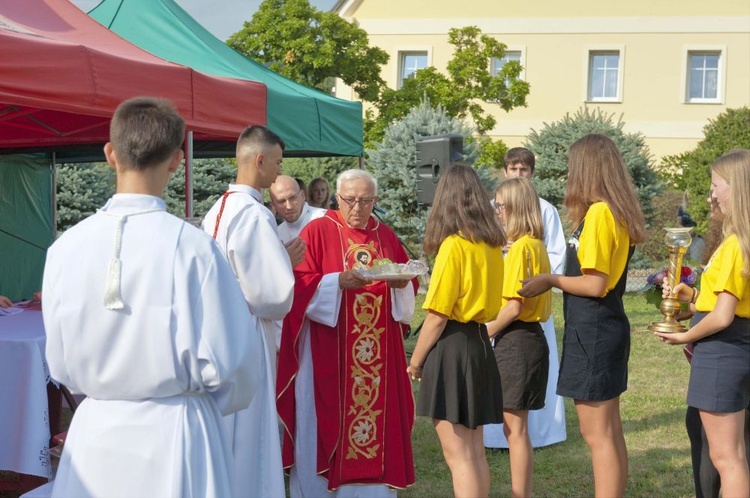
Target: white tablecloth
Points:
(24, 417)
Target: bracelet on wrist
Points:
(695, 296)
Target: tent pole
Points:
(53, 196)
(361, 162)
(189, 174)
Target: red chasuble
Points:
(363, 398)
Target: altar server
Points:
(141, 312)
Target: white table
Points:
(24, 413)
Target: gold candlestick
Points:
(677, 240)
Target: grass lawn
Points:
(653, 412)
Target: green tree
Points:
(210, 179)
(307, 168)
(550, 145)
(691, 171)
(82, 188)
(393, 162)
(311, 47)
(462, 90)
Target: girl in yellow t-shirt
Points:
(521, 350)
(719, 384)
(604, 208)
(460, 385)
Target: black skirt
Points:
(720, 369)
(522, 357)
(460, 380)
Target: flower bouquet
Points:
(654, 281)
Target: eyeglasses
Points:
(292, 199)
(363, 203)
(499, 207)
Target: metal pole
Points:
(189, 175)
(53, 196)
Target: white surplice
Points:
(288, 231)
(158, 373)
(304, 482)
(546, 426)
(248, 237)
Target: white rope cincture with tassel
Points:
(112, 293)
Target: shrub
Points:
(551, 145)
(691, 171)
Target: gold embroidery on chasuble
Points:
(364, 417)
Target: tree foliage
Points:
(550, 145)
(311, 47)
(691, 171)
(312, 167)
(210, 179)
(462, 90)
(81, 190)
(393, 162)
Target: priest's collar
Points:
(254, 193)
(124, 203)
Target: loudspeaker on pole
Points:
(434, 156)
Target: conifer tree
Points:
(82, 188)
(210, 179)
(393, 162)
(550, 145)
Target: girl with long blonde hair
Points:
(719, 385)
(521, 350)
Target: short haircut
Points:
(145, 131)
(520, 155)
(356, 174)
(255, 139)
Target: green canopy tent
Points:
(310, 122)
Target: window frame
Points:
(402, 53)
(521, 50)
(687, 52)
(589, 53)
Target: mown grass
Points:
(653, 412)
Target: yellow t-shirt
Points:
(724, 273)
(461, 280)
(519, 266)
(604, 244)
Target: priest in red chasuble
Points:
(343, 393)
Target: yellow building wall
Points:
(555, 38)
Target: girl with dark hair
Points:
(604, 208)
(460, 387)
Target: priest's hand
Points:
(296, 249)
(352, 279)
(5, 302)
(398, 284)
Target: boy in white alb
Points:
(246, 233)
(141, 312)
(546, 426)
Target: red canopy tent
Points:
(62, 75)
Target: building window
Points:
(510, 55)
(605, 77)
(411, 62)
(703, 77)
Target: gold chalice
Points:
(677, 241)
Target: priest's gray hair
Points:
(356, 174)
